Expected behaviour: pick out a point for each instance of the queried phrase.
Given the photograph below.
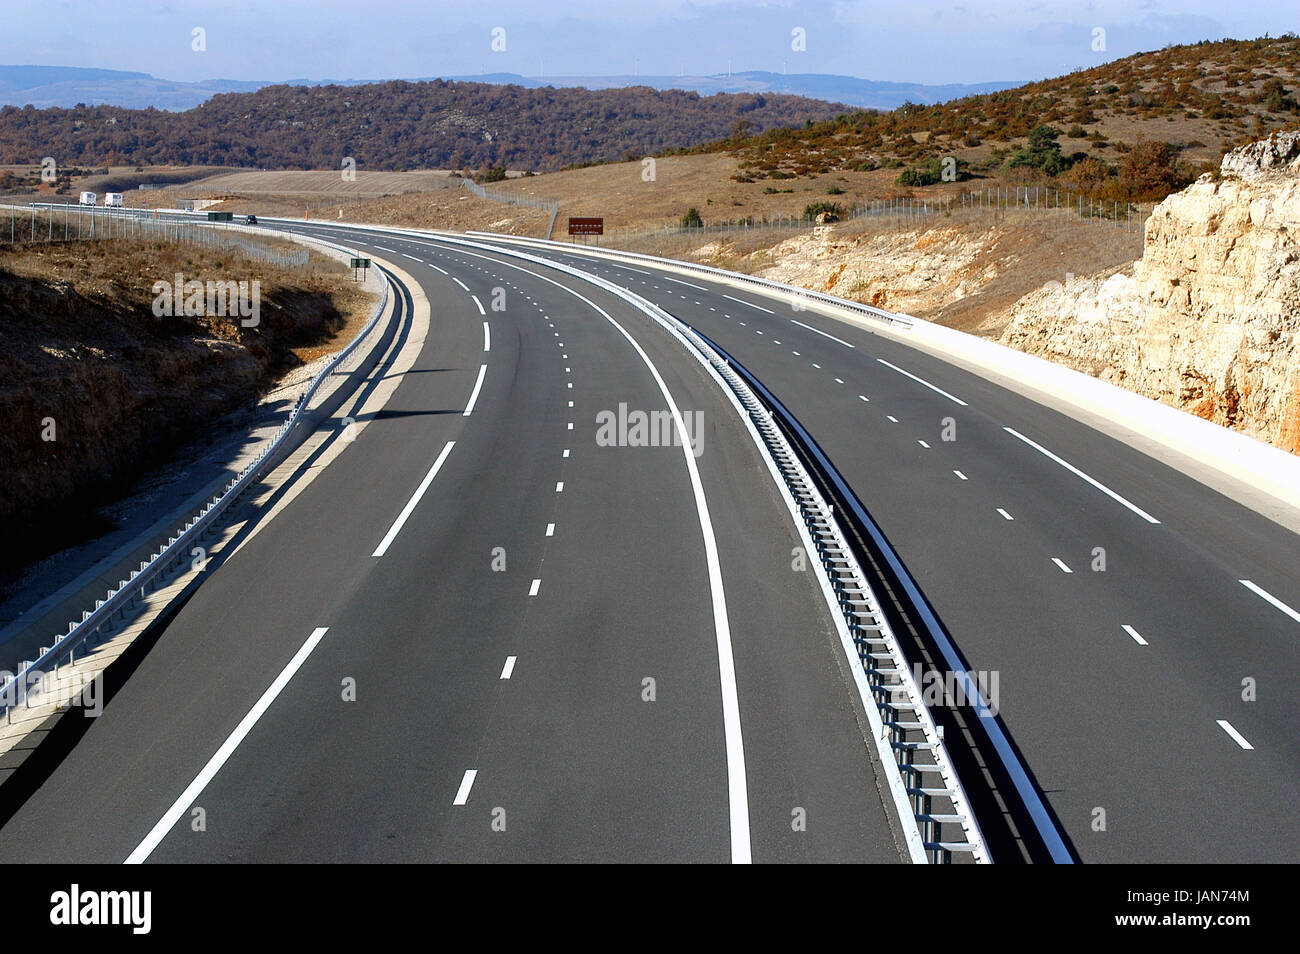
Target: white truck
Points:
(89, 198)
(112, 200)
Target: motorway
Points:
(476, 635)
(1143, 627)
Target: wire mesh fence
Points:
(71, 223)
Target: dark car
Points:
(250, 220)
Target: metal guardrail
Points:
(904, 732)
(150, 571)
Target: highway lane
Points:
(1105, 721)
(519, 692)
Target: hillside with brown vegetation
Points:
(80, 346)
(1137, 128)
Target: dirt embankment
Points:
(95, 388)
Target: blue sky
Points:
(903, 40)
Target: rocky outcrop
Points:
(1208, 320)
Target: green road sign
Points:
(361, 263)
(220, 216)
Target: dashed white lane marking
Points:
(570, 428)
(550, 529)
(822, 333)
(1236, 736)
(413, 258)
(891, 418)
(960, 475)
(391, 535)
(181, 805)
(924, 444)
(479, 303)
(559, 486)
(460, 283)
(382, 249)
(509, 667)
(1078, 473)
(863, 397)
(1061, 563)
(1258, 591)
(437, 269)
(478, 386)
(688, 284)
(1005, 514)
(936, 390)
(570, 404)
(795, 353)
(487, 337)
(740, 300)
(466, 783)
(1137, 637)
(537, 585)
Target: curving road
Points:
(1151, 698)
(477, 635)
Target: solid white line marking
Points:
(1237, 737)
(955, 400)
(537, 585)
(1061, 564)
(509, 667)
(1005, 514)
(751, 304)
(1078, 473)
(550, 529)
(1271, 598)
(460, 283)
(479, 303)
(415, 499)
(413, 258)
(737, 785)
(466, 783)
(195, 788)
(822, 333)
(478, 386)
(1137, 637)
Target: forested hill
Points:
(400, 125)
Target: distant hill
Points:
(398, 126)
(66, 86)
(1136, 128)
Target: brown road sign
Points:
(586, 226)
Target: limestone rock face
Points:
(1208, 320)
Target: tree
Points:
(692, 220)
(1150, 170)
(1043, 152)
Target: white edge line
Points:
(936, 390)
(822, 333)
(466, 783)
(478, 386)
(750, 304)
(1259, 591)
(1237, 737)
(209, 771)
(1137, 637)
(1078, 473)
(391, 535)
